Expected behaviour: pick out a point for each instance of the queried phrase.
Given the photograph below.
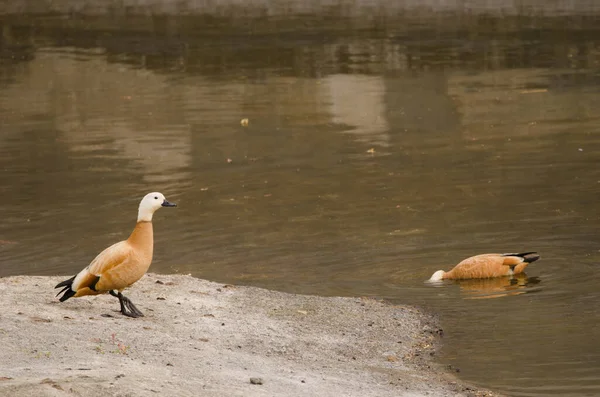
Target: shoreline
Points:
(211, 339)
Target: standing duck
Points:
(487, 266)
(121, 264)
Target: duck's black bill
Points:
(167, 204)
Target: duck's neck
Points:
(144, 214)
(142, 238)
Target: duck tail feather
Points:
(66, 291)
(527, 256)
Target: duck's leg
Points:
(132, 309)
(127, 307)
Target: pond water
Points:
(371, 159)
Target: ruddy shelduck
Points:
(121, 264)
(487, 266)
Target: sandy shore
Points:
(200, 338)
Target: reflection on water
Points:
(371, 159)
(357, 102)
(498, 287)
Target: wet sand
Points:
(200, 338)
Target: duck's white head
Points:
(150, 203)
(437, 276)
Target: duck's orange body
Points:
(488, 266)
(118, 266)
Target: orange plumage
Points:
(488, 266)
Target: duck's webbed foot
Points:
(127, 307)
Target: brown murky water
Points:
(371, 159)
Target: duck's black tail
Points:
(66, 291)
(527, 256)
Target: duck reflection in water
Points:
(487, 288)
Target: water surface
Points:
(371, 159)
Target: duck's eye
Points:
(155, 197)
